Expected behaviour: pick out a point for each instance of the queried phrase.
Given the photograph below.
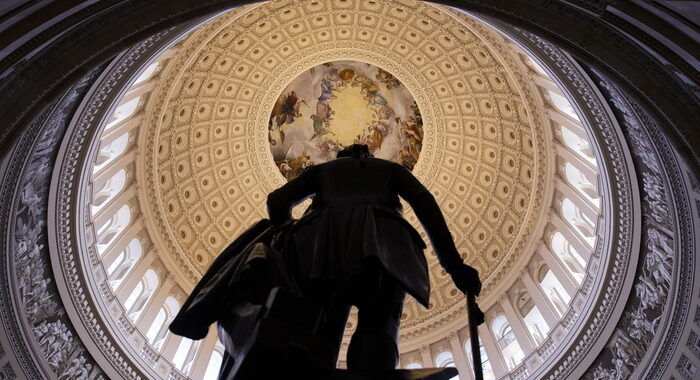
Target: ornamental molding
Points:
(650, 332)
(595, 316)
(44, 340)
(73, 255)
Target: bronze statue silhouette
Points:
(351, 247)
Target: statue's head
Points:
(359, 151)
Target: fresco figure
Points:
(349, 102)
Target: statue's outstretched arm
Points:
(281, 201)
(428, 212)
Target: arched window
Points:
(130, 256)
(109, 190)
(107, 232)
(445, 359)
(191, 354)
(170, 308)
(562, 104)
(485, 363)
(182, 355)
(214, 364)
(414, 365)
(578, 220)
(147, 74)
(577, 144)
(554, 290)
(111, 151)
(534, 320)
(115, 264)
(512, 353)
(134, 296)
(156, 326)
(123, 111)
(578, 181)
(572, 259)
(138, 298)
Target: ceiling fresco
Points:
(339, 103)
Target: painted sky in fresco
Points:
(340, 103)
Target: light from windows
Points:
(581, 223)
(445, 359)
(147, 74)
(554, 291)
(212, 371)
(182, 352)
(562, 104)
(107, 232)
(512, 353)
(108, 191)
(123, 111)
(485, 363)
(110, 152)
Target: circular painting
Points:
(340, 103)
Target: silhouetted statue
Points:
(351, 247)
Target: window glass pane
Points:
(536, 325)
(112, 228)
(156, 326)
(562, 104)
(212, 372)
(108, 191)
(445, 359)
(123, 111)
(181, 354)
(115, 264)
(580, 222)
(150, 70)
(485, 364)
(133, 296)
(577, 145)
(512, 353)
(110, 152)
(555, 292)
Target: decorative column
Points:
(145, 320)
(427, 357)
(204, 354)
(492, 351)
(517, 324)
(557, 267)
(546, 309)
(460, 357)
(134, 276)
